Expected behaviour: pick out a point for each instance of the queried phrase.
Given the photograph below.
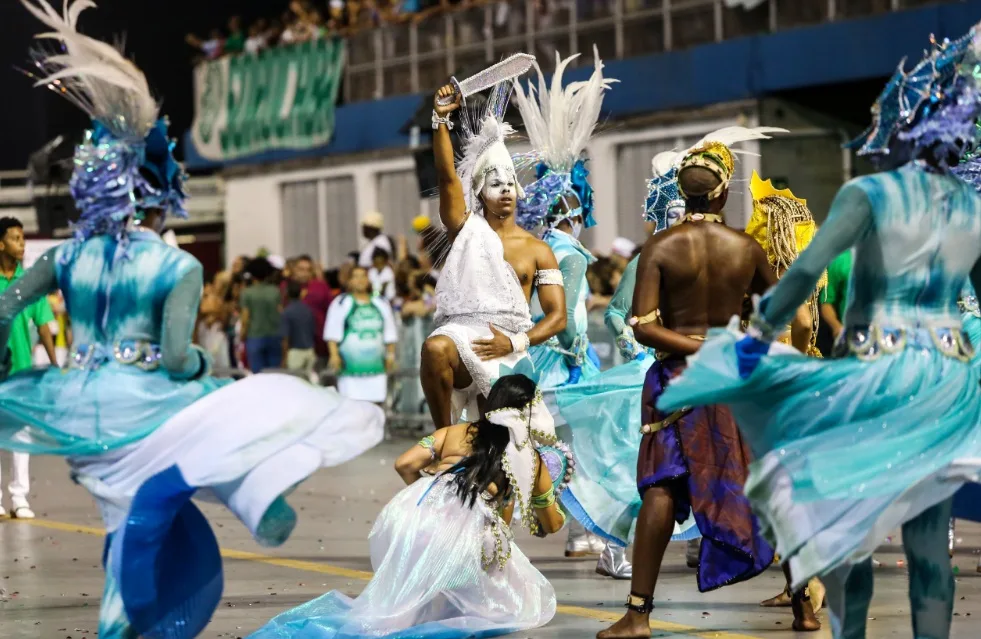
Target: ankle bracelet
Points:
(641, 604)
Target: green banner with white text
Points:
(284, 98)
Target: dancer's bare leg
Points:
(655, 524)
(442, 371)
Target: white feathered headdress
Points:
(125, 164)
(484, 134)
(92, 74)
(559, 122)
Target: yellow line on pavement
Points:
(337, 571)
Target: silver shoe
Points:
(613, 563)
(578, 543)
(692, 552)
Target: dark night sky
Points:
(154, 32)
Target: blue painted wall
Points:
(733, 70)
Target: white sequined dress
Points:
(477, 288)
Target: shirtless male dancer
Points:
(483, 320)
(691, 278)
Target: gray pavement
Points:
(51, 579)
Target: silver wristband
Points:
(520, 343)
(437, 120)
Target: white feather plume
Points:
(93, 75)
(663, 163)
(559, 121)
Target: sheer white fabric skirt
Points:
(442, 571)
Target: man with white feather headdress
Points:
(558, 205)
(691, 278)
(484, 326)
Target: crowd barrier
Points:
(406, 410)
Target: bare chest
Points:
(522, 260)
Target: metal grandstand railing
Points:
(418, 55)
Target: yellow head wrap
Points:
(715, 157)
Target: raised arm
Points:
(551, 295)
(37, 282)
(848, 221)
(647, 298)
(181, 358)
(452, 205)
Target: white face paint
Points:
(675, 214)
(499, 193)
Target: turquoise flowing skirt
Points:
(846, 449)
(967, 501)
(76, 411)
(602, 417)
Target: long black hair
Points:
(476, 472)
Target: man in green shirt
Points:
(19, 344)
(261, 305)
(834, 297)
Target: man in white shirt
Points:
(371, 230)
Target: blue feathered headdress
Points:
(927, 108)
(538, 207)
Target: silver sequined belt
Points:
(872, 341)
(130, 352)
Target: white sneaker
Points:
(613, 563)
(692, 552)
(22, 512)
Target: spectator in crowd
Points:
(61, 332)
(381, 275)
(371, 229)
(600, 275)
(297, 326)
(257, 40)
(212, 48)
(361, 335)
(260, 310)
(835, 294)
(433, 244)
(19, 346)
(235, 40)
(211, 334)
(315, 293)
(622, 252)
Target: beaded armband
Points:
(652, 317)
(549, 277)
(429, 443)
(544, 500)
(437, 120)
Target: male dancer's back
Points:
(691, 278)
